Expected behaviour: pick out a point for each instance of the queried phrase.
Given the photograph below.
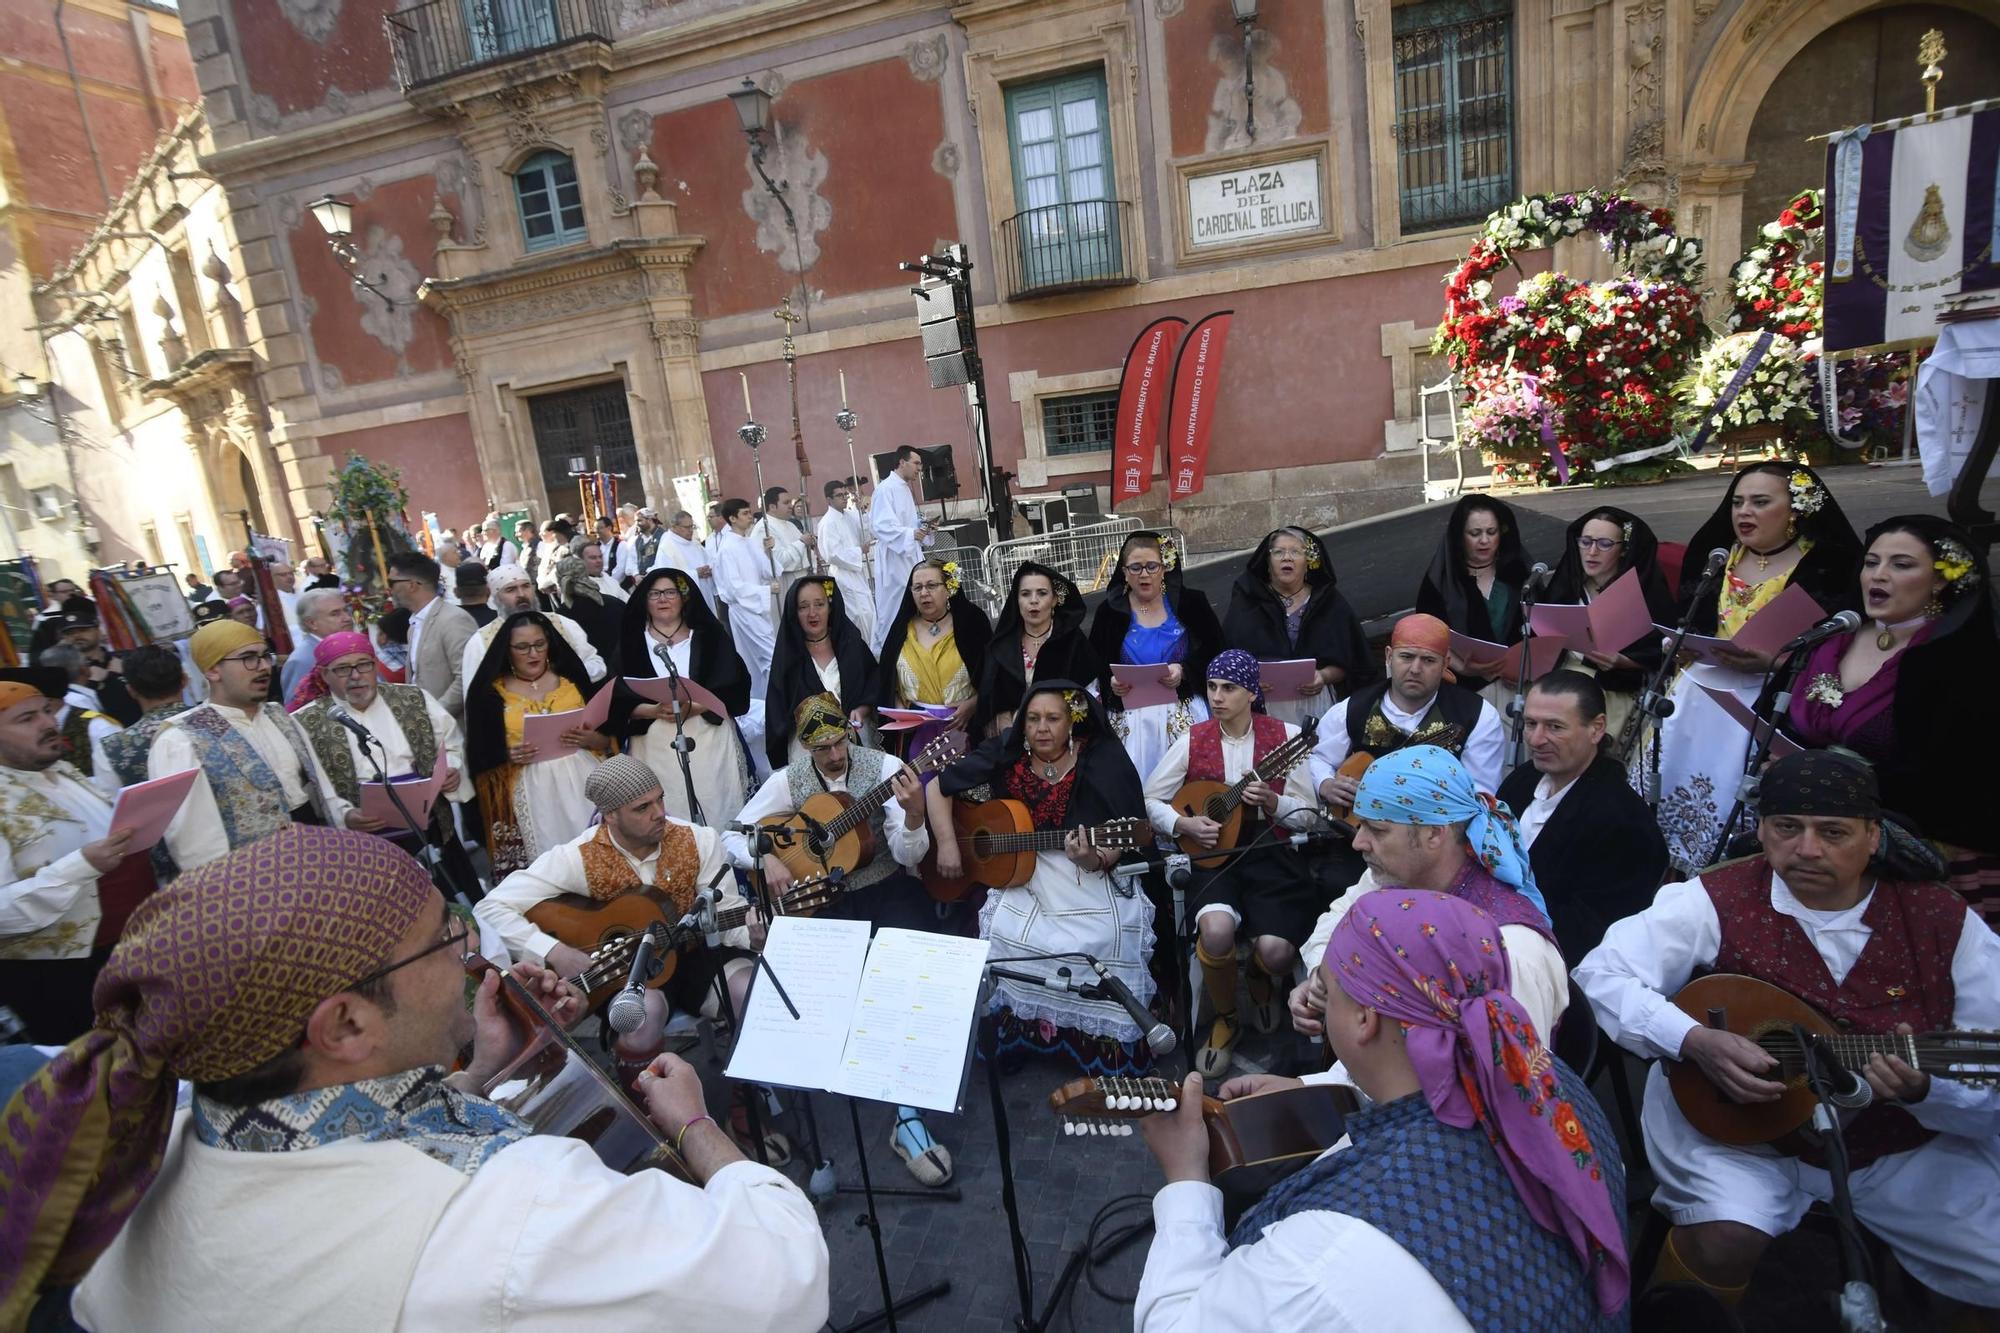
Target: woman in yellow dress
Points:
(933, 652)
(530, 801)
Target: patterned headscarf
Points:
(1438, 966)
(326, 652)
(819, 719)
(1239, 668)
(216, 973)
(1819, 783)
(1422, 784)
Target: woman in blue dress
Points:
(1150, 618)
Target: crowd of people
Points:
(1370, 874)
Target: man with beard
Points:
(513, 590)
(1419, 704)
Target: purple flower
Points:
(1512, 305)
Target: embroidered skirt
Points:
(1149, 732)
(719, 765)
(1702, 751)
(1065, 909)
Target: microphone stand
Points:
(1763, 731)
(1653, 700)
(433, 859)
(682, 746)
(1517, 707)
(1859, 1306)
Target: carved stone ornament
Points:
(313, 19)
(392, 326)
(1645, 49)
(646, 175)
(547, 304)
(1761, 22)
(1278, 113)
(442, 221)
(926, 56)
(635, 130)
(1166, 9)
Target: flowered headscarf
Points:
(1438, 966)
(1422, 784)
(1239, 668)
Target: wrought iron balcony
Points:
(1067, 248)
(439, 38)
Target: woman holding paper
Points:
(1286, 607)
(1896, 691)
(820, 651)
(1474, 583)
(530, 801)
(667, 621)
(1599, 550)
(1151, 620)
(1781, 528)
(933, 652)
(1060, 760)
(1039, 636)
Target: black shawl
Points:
(1108, 627)
(1598, 859)
(1107, 786)
(1642, 552)
(1827, 572)
(1449, 591)
(970, 629)
(485, 715)
(712, 660)
(794, 677)
(1067, 655)
(1329, 631)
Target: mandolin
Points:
(1282, 1125)
(1765, 1014)
(1223, 801)
(835, 833)
(609, 929)
(998, 841)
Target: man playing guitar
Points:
(1811, 916)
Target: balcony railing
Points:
(1067, 247)
(439, 38)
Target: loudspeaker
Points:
(1082, 501)
(940, 480)
(969, 532)
(882, 464)
(944, 322)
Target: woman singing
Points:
(667, 619)
(1286, 606)
(1475, 578)
(1149, 618)
(819, 652)
(1781, 526)
(1599, 549)
(1907, 689)
(1039, 636)
(934, 652)
(530, 802)
(1060, 761)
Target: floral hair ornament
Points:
(1954, 562)
(1625, 532)
(1170, 554)
(1807, 495)
(950, 568)
(829, 588)
(1062, 595)
(1078, 708)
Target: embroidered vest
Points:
(75, 733)
(1902, 976)
(607, 874)
(26, 815)
(864, 770)
(248, 795)
(1447, 723)
(130, 748)
(1205, 754)
(647, 549)
(1441, 1193)
(329, 739)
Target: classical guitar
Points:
(609, 929)
(1351, 767)
(997, 842)
(1766, 1015)
(1282, 1125)
(554, 1085)
(1223, 801)
(830, 831)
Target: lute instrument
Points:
(1223, 801)
(831, 830)
(1766, 1014)
(1278, 1126)
(609, 929)
(997, 842)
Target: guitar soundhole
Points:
(982, 843)
(816, 845)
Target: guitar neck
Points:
(866, 804)
(1047, 840)
(1976, 1053)
(1274, 767)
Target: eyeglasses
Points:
(453, 933)
(1145, 567)
(538, 646)
(350, 672)
(1598, 543)
(394, 582)
(926, 587)
(264, 658)
(662, 594)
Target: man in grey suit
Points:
(321, 611)
(438, 630)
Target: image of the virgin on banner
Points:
(1141, 389)
(1912, 223)
(1197, 378)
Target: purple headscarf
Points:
(1437, 965)
(1239, 668)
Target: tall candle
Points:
(843, 388)
(748, 415)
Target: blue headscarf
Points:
(1422, 784)
(1239, 668)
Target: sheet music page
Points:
(912, 1020)
(819, 963)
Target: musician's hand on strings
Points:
(1249, 1085)
(108, 852)
(1081, 852)
(563, 1001)
(753, 921)
(1201, 828)
(1178, 1138)
(909, 794)
(1260, 795)
(1893, 1079)
(1733, 1063)
(1340, 790)
(494, 1039)
(566, 960)
(361, 823)
(672, 1096)
(777, 875)
(1308, 1005)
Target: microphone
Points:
(1716, 560)
(346, 719)
(705, 908)
(1847, 1090)
(627, 1009)
(1159, 1036)
(1538, 577)
(1844, 623)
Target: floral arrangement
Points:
(365, 523)
(1776, 392)
(1807, 495)
(1602, 354)
(1774, 286)
(1825, 689)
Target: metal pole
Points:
(791, 353)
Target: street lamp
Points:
(753, 112)
(336, 219)
(1246, 19)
